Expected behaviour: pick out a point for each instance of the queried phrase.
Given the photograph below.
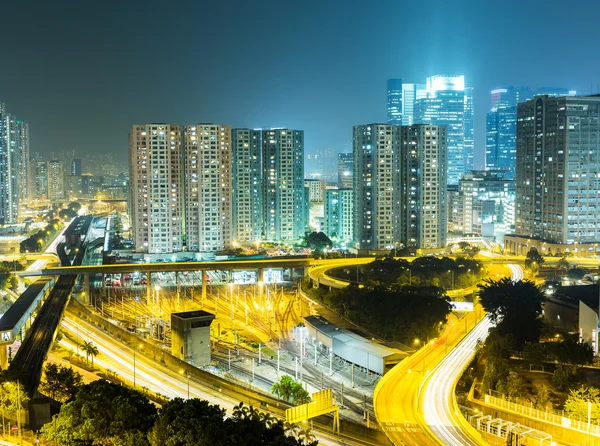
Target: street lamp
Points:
(187, 374)
(134, 349)
(451, 271)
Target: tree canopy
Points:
(60, 383)
(292, 391)
(318, 241)
(195, 422)
(102, 413)
(576, 405)
(516, 308)
(401, 313)
(534, 260)
(442, 272)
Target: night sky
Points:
(81, 73)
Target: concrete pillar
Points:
(261, 282)
(203, 286)
(21, 284)
(148, 288)
(4, 356)
(86, 289)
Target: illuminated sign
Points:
(462, 306)
(322, 403)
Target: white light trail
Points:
(438, 398)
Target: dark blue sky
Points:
(83, 72)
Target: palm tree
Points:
(283, 388)
(291, 429)
(240, 411)
(306, 436)
(90, 349)
(85, 347)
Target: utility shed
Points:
(190, 336)
(355, 349)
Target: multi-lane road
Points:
(415, 402)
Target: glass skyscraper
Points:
(449, 103)
(410, 93)
(501, 124)
(394, 101)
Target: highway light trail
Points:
(437, 396)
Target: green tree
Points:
(516, 308)
(289, 390)
(74, 206)
(578, 401)
(576, 273)
(90, 350)
(562, 265)
(197, 423)
(570, 351)
(561, 377)
(496, 374)
(542, 396)
(60, 383)
(12, 398)
(103, 413)
(318, 241)
(534, 353)
(514, 385)
(534, 260)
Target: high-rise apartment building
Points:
(156, 187)
(56, 180)
(469, 125)
(501, 124)
(394, 101)
(14, 166)
(283, 176)
(76, 167)
(424, 151)
(558, 169)
(338, 221)
(40, 180)
(208, 188)
(377, 207)
(316, 190)
(345, 170)
(248, 218)
(449, 103)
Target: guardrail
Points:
(549, 416)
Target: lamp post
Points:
(451, 271)
(134, 349)
(187, 375)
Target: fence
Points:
(548, 416)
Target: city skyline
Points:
(261, 97)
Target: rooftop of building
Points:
(345, 336)
(197, 314)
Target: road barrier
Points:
(547, 416)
